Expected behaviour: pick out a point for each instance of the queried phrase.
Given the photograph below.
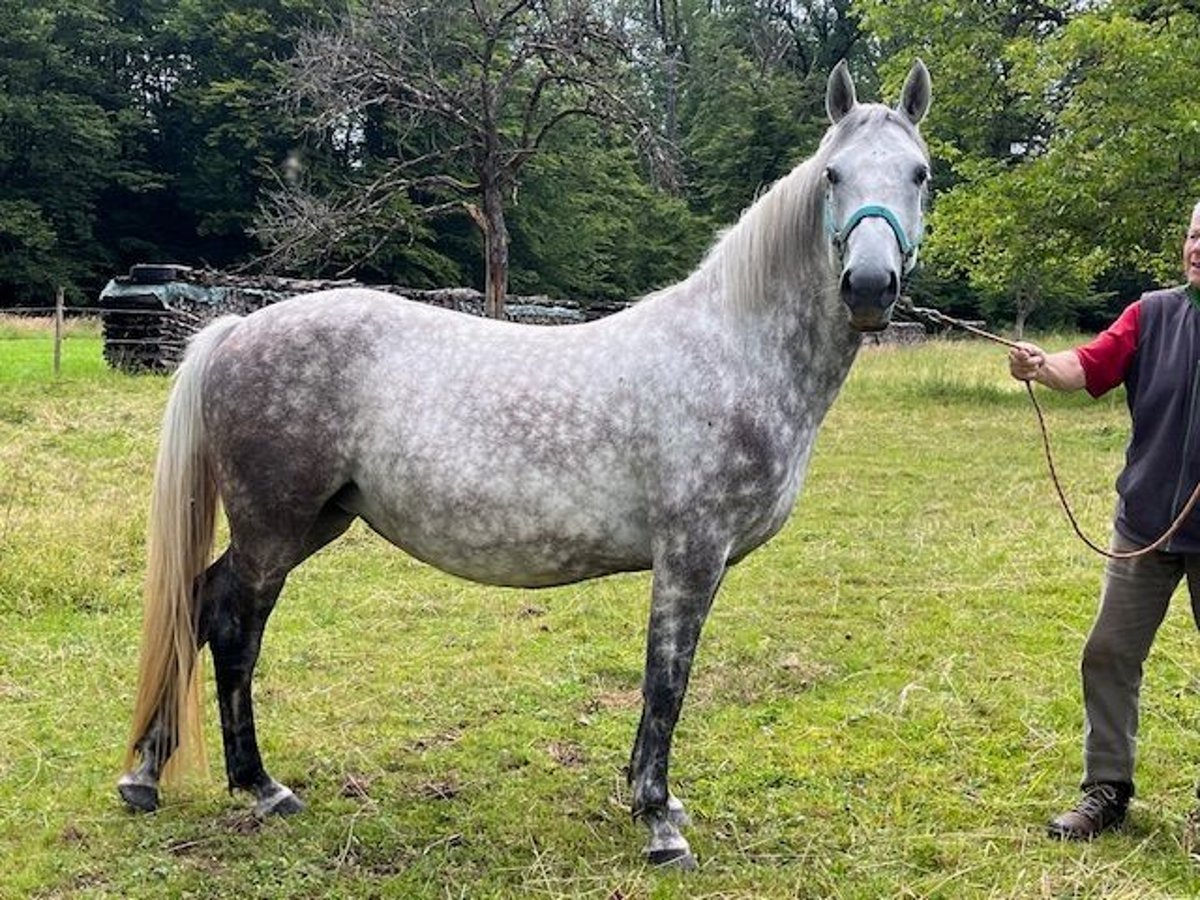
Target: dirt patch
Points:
(567, 754)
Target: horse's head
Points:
(876, 174)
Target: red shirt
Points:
(1106, 358)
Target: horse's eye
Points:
(831, 175)
(921, 175)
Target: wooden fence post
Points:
(58, 329)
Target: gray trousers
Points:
(1133, 604)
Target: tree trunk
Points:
(672, 100)
(1024, 308)
(495, 242)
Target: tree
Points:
(1002, 230)
(199, 132)
(1065, 142)
(135, 130)
(58, 145)
(590, 224)
(753, 96)
(438, 108)
(1125, 153)
(977, 50)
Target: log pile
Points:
(149, 314)
(896, 334)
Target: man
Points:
(1153, 348)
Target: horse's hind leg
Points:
(235, 628)
(139, 787)
(236, 596)
(235, 635)
(685, 580)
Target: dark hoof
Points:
(138, 797)
(673, 858)
(280, 803)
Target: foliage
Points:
(588, 226)
(58, 145)
(982, 110)
(439, 109)
(1063, 134)
(133, 132)
(1003, 231)
(1126, 146)
(753, 98)
(217, 132)
(1066, 140)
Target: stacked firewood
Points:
(142, 335)
(149, 315)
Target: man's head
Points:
(1191, 250)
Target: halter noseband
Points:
(871, 211)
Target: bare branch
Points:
(411, 95)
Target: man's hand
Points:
(1025, 360)
(1060, 371)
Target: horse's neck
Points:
(794, 345)
(808, 334)
(773, 277)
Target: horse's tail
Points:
(183, 510)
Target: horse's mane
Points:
(780, 238)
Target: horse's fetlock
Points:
(649, 801)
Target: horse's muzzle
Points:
(870, 293)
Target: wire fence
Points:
(114, 339)
(78, 311)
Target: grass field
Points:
(885, 702)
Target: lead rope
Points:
(940, 318)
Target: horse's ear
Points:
(914, 99)
(839, 93)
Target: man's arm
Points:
(1060, 371)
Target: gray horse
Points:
(673, 437)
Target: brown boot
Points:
(1102, 807)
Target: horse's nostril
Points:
(870, 285)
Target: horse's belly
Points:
(511, 545)
(515, 563)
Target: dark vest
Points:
(1162, 461)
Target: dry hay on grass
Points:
(13, 326)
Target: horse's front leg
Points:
(686, 577)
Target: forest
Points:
(584, 149)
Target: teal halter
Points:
(872, 211)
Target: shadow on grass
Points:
(949, 389)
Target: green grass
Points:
(885, 702)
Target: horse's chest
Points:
(751, 474)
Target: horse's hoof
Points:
(281, 802)
(138, 795)
(673, 858)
